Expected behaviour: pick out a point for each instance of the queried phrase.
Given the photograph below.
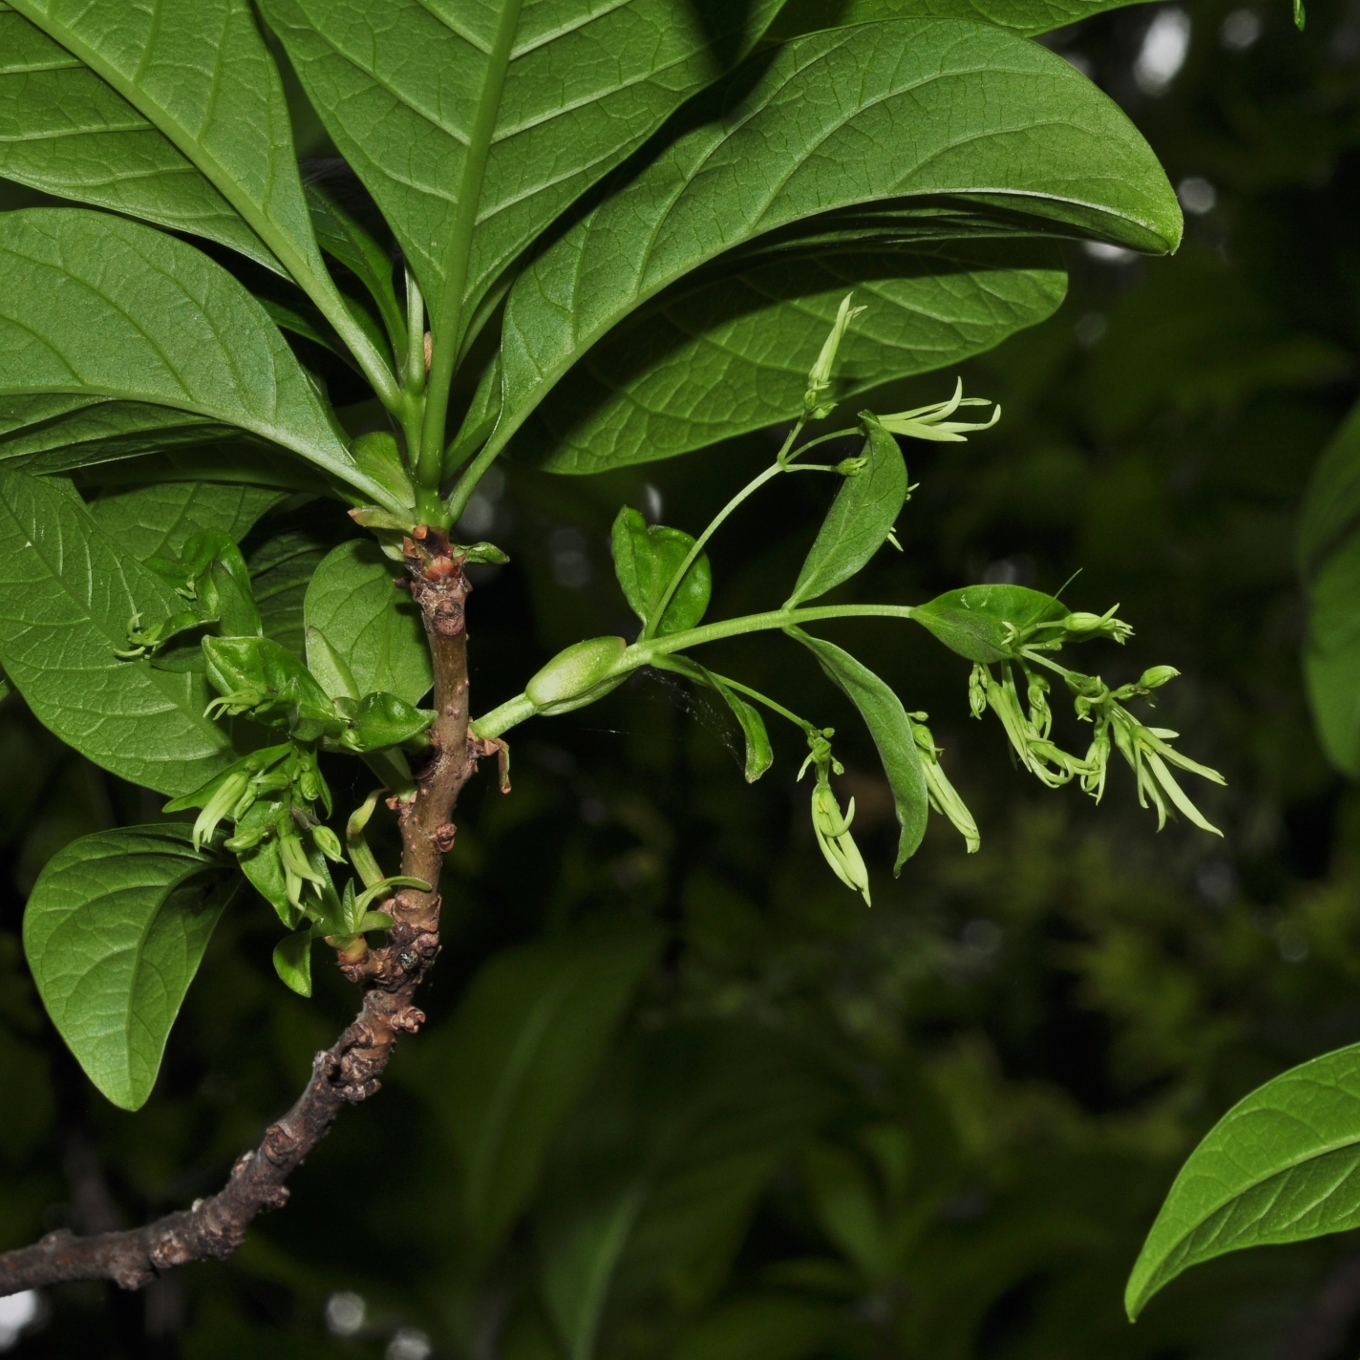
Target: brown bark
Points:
(349, 1070)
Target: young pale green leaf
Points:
(891, 730)
(1280, 1166)
(199, 73)
(67, 594)
(530, 1033)
(260, 676)
(646, 557)
(293, 961)
(859, 521)
(1027, 17)
(381, 720)
(90, 302)
(367, 625)
(474, 127)
(759, 754)
(281, 569)
(662, 382)
(157, 521)
(68, 132)
(891, 114)
(979, 622)
(114, 932)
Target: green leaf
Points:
(1280, 1166)
(979, 622)
(646, 557)
(859, 521)
(93, 303)
(67, 593)
(369, 631)
(711, 359)
(888, 115)
(157, 521)
(1026, 17)
(474, 127)
(529, 1035)
(343, 237)
(114, 932)
(280, 571)
(260, 676)
(383, 720)
(759, 755)
(203, 78)
(68, 132)
(293, 961)
(891, 730)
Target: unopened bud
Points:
(1156, 676)
(977, 691)
(851, 467)
(328, 843)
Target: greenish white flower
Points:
(819, 376)
(932, 422)
(944, 797)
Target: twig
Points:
(349, 1070)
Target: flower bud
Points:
(328, 843)
(851, 467)
(977, 691)
(579, 675)
(1156, 676)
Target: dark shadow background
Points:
(938, 1128)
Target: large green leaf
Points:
(280, 571)
(199, 73)
(474, 126)
(859, 521)
(530, 1034)
(1282, 1165)
(723, 357)
(1329, 563)
(114, 932)
(67, 594)
(93, 430)
(891, 730)
(926, 117)
(68, 132)
(1028, 17)
(157, 521)
(363, 634)
(94, 304)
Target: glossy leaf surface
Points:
(893, 114)
(1282, 1165)
(473, 127)
(373, 636)
(646, 557)
(93, 303)
(199, 72)
(891, 730)
(1029, 17)
(67, 594)
(68, 132)
(719, 358)
(157, 521)
(978, 622)
(114, 932)
(859, 521)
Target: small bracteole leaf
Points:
(646, 558)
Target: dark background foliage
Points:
(939, 1127)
